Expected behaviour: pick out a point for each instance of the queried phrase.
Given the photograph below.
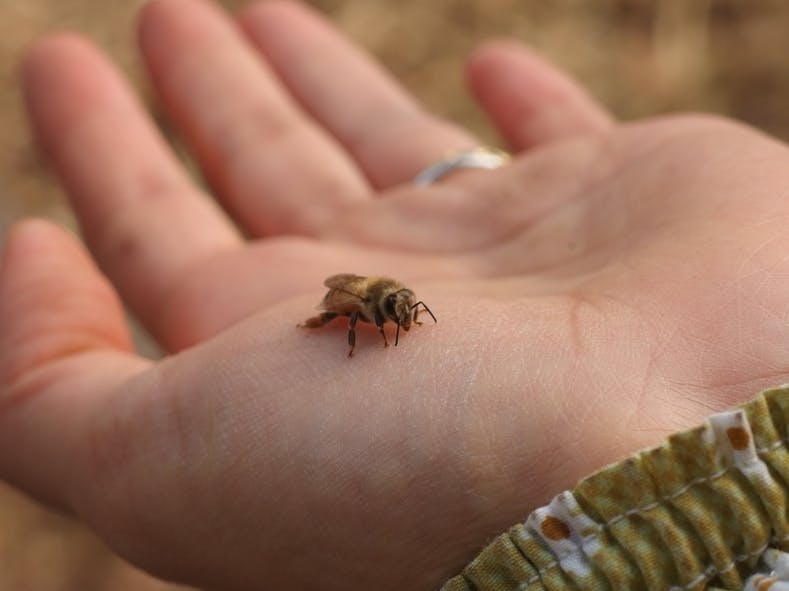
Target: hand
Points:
(613, 284)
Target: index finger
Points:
(142, 217)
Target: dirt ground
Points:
(639, 58)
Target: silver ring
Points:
(482, 157)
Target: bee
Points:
(369, 299)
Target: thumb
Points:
(63, 345)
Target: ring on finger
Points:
(481, 157)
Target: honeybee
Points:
(369, 299)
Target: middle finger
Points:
(273, 168)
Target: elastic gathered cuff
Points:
(705, 510)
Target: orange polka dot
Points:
(738, 437)
(554, 529)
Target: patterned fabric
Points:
(706, 510)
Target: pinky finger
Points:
(530, 101)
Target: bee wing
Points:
(343, 295)
(341, 301)
(342, 280)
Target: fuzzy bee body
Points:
(377, 300)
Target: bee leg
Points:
(352, 332)
(319, 320)
(415, 308)
(379, 322)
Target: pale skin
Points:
(614, 284)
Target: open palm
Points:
(613, 284)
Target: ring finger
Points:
(384, 129)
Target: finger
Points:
(143, 219)
(387, 132)
(274, 169)
(63, 344)
(529, 100)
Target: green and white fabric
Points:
(706, 510)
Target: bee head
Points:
(398, 307)
(401, 308)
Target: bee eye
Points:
(389, 305)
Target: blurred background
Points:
(638, 57)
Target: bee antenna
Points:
(397, 332)
(420, 303)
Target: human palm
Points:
(611, 285)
